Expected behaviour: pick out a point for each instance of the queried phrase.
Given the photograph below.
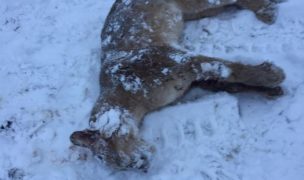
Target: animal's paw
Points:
(272, 93)
(269, 74)
(265, 75)
(268, 13)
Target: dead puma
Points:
(143, 70)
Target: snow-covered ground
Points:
(49, 55)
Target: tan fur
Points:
(142, 71)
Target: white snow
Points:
(196, 140)
(127, 2)
(115, 68)
(217, 68)
(214, 1)
(165, 71)
(50, 62)
(179, 58)
(131, 83)
(114, 120)
(108, 122)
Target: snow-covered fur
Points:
(143, 70)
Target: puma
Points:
(144, 69)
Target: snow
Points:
(199, 141)
(217, 2)
(216, 67)
(49, 54)
(165, 71)
(214, 1)
(179, 58)
(108, 122)
(131, 83)
(114, 120)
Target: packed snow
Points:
(50, 63)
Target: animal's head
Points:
(119, 151)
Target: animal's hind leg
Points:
(265, 10)
(214, 85)
(262, 75)
(196, 9)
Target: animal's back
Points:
(139, 24)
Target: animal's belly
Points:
(168, 92)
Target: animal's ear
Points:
(85, 138)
